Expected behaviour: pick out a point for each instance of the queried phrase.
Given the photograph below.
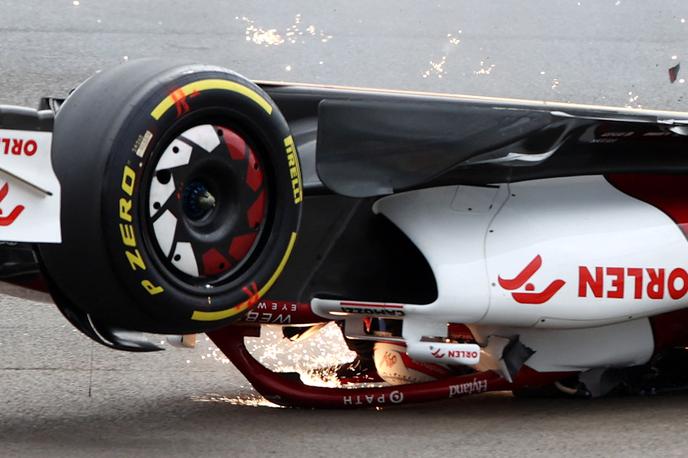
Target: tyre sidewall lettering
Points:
(132, 258)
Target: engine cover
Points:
(561, 253)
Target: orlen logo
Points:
(18, 146)
(647, 283)
(530, 296)
(439, 354)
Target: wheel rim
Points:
(207, 204)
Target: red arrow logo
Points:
(437, 353)
(530, 297)
(16, 211)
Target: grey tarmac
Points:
(191, 402)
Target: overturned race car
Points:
(462, 244)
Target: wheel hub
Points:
(207, 204)
(197, 201)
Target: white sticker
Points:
(145, 140)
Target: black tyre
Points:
(181, 197)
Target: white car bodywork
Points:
(29, 189)
(572, 266)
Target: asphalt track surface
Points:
(189, 402)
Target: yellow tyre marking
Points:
(294, 169)
(222, 314)
(204, 85)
